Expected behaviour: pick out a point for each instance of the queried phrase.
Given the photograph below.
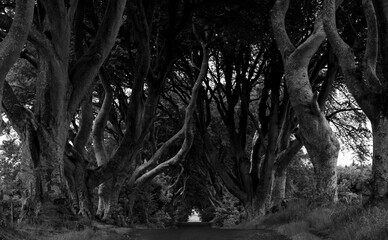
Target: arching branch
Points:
(352, 73)
(86, 68)
(14, 42)
(187, 126)
(372, 46)
(278, 15)
(102, 119)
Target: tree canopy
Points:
(213, 104)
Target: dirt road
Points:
(204, 233)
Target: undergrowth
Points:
(294, 212)
(369, 224)
(339, 221)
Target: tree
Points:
(317, 136)
(71, 53)
(237, 77)
(120, 85)
(148, 80)
(60, 89)
(366, 79)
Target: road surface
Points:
(203, 233)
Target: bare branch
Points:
(102, 119)
(306, 50)
(284, 158)
(72, 8)
(85, 127)
(278, 15)
(187, 126)
(83, 73)
(353, 75)
(342, 110)
(372, 45)
(177, 178)
(15, 111)
(57, 18)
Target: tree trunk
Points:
(111, 198)
(317, 136)
(279, 187)
(325, 165)
(59, 92)
(253, 209)
(47, 138)
(50, 180)
(104, 192)
(380, 163)
(366, 84)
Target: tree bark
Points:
(279, 188)
(380, 163)
(50, 134)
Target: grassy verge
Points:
(340, 222)
(369, 224)
(87, 234)
(85, 231)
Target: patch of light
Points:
(194, 217)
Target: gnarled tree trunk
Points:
(380, 155)
(59, 92)
(368, 86)
(13, 43)
(317, 136)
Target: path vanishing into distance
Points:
(195, 231)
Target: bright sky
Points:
(345, 158)
(194, 217)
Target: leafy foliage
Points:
(151, 202)
(352, 182)
(230, 212)
(300, 178)
(10, 157)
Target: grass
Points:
(295, 212)
(11, 233)
(83, 229)
(293, 228)
(370, 224)
(339, 221)
(86, 235)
